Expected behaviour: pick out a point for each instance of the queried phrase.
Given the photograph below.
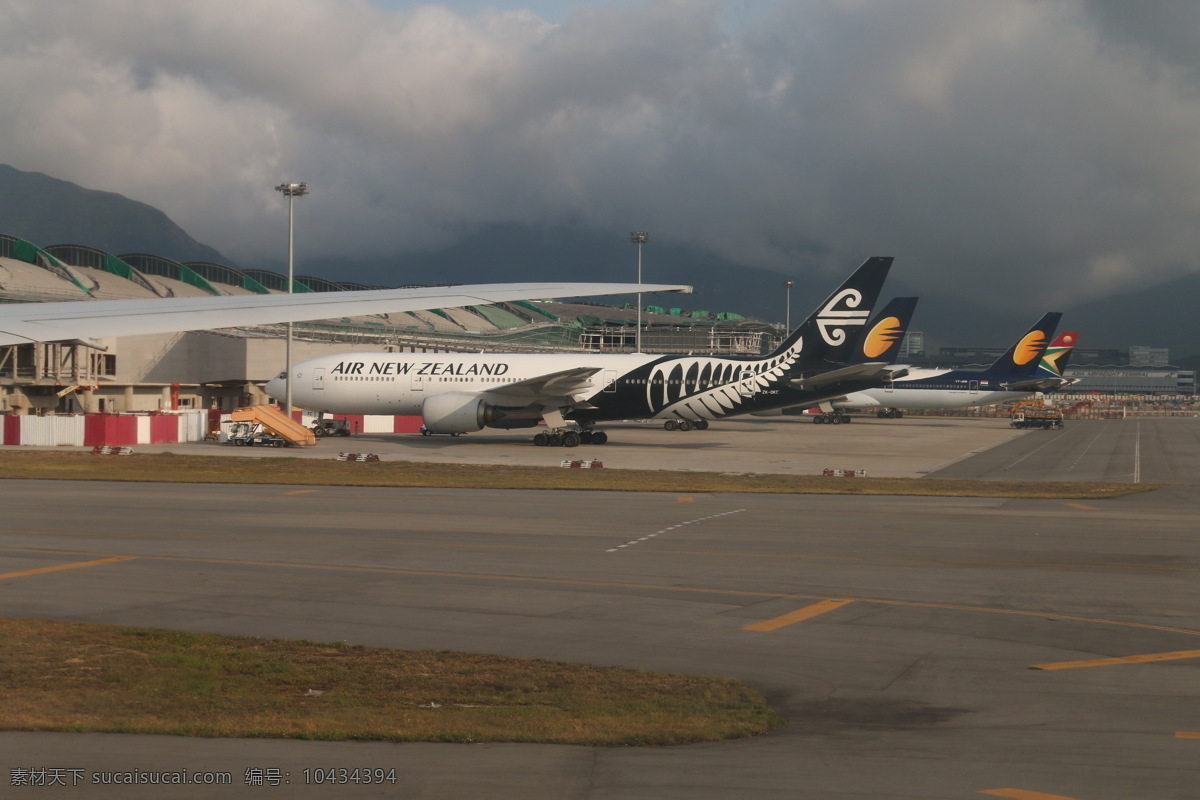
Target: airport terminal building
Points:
(226, 369)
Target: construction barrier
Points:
(582, 464)
(111, 450)
(357, 457)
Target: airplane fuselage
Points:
(934, 388)
(516, 389)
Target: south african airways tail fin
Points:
(1049, 375)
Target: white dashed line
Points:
(674, 527)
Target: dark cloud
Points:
(1037, 152)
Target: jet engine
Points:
(459, 412)
(455, 412)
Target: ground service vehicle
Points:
(249, 434)
(331, 427)
(1044, 418)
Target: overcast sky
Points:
(1045, 148)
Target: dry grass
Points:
(167, 467)
(63, 676)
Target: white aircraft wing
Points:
(552, 385)
(93, 319)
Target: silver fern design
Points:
(710, 388)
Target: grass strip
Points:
(174, 468)
(66, 676)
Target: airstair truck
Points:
(275, 422)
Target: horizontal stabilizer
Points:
(878, 371)
(1036, 385)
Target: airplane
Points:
(1025, 368)
(462, 393)
(83, 321)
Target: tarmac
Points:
(929, 648)
(909, 447)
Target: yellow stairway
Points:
(277, 422)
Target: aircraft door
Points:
(746, 383)
(318, 379)
(973, 387)
(418, 383)
(609, 380)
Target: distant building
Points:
(912, 348)
(1132, 380)
(1142, 356)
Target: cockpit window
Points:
(282, 374)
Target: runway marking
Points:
(632, 542)
(808, 612)
(1187, 734)
(1081, 505)
(302, 491)
(61, 567)
(1106, 662)
(1025, 794)
(1087, 449)
(698, 590)
(1035, 450)
(1137, 453)
(685, 499)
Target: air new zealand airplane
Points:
(826, 356)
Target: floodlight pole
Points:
(639, 238)
(291, 191)
(788, 318)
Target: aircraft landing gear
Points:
(832, 418)
(569, 438)
(685, 425)
(889, 413)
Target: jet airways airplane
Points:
(83, 320)
(459, 393)
(1032, 364)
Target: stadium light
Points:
(639, 238)
(291, 191)
(788, 314)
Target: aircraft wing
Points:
(880, 371)
(552, 385)
(92, 319)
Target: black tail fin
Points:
(1025, 355)
(832, 332)
(880, 341)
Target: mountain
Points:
(49, 211)
(1158, 316)
(515, 252)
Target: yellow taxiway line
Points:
(808, 612)
(76, 565)
(1107, 662)
(1025, 794)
